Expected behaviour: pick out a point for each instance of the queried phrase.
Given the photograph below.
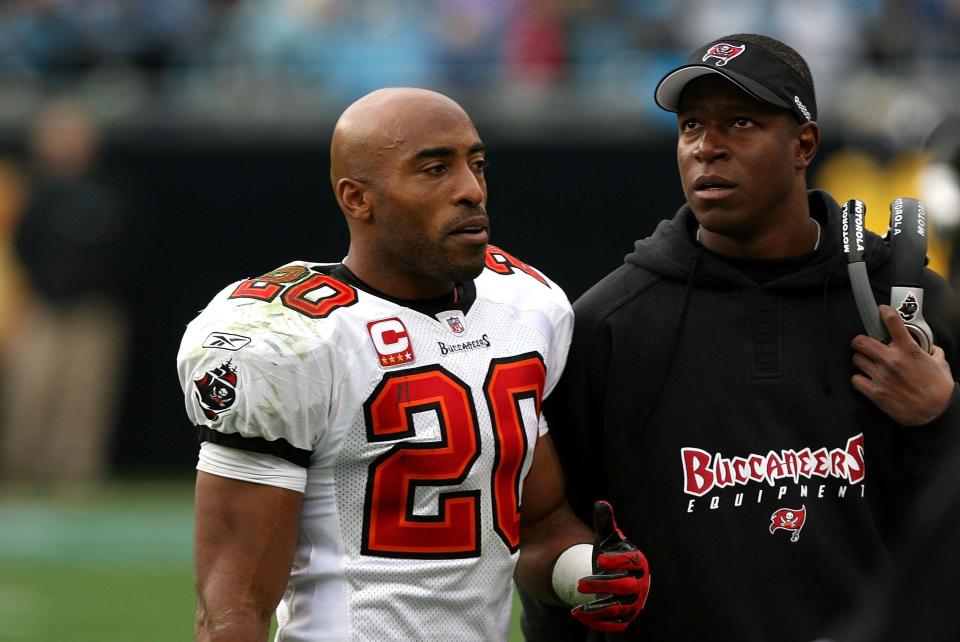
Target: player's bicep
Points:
(244, 541)
(543, 488)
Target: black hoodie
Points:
(718, 417)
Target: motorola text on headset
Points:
(907, 237)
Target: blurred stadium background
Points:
(211, 120)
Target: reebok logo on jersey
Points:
(216, 390)
(391, 341)
(226, 341)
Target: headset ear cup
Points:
(852, 227)
(922, 335)
(908, 245)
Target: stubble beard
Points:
(433, 258)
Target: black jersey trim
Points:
(278, 448)
(462, 297)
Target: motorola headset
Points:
(907, 237)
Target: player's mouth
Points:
(713, 188)
(475, 229)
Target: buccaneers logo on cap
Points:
(789, 519)
(723, 52)
(217, 390)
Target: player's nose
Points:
(470, 188)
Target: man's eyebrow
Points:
(443, 152)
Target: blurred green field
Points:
(111, 565)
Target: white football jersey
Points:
(416, 430)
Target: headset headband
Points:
(907, 236)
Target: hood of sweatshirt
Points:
(672, 253)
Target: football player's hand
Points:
(621, 579)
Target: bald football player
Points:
(373, 461)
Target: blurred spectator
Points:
(535, 43)
(344, 48)
(12, 288)
(467, 34)
(65, 362)
(57, 38)
(940, 187)
(291, 62)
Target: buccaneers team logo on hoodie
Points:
(789, 519)
(704, 471)
(217, 390)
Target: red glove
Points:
(621, 577)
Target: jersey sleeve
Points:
(547, 306)
(559, 345)
(253, 467)
(253, 379)
(556, 359)
(537, 301)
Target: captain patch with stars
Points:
(216, 390)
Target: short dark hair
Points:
(784, 52)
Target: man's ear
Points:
(355, 198)
(808, 142)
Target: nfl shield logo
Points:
(456, 325)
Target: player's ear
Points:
(808, 142)
(354, 197)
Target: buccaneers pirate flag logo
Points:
(723, 52)
(789, 519)
(217, 390)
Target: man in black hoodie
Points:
(720, 389)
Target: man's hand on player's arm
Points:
(909, 385)
(563, 561)
(244, 541)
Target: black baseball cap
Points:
(750, 66)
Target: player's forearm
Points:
(231, 623)
(244, 541)
(541, 545)
(235, 598)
